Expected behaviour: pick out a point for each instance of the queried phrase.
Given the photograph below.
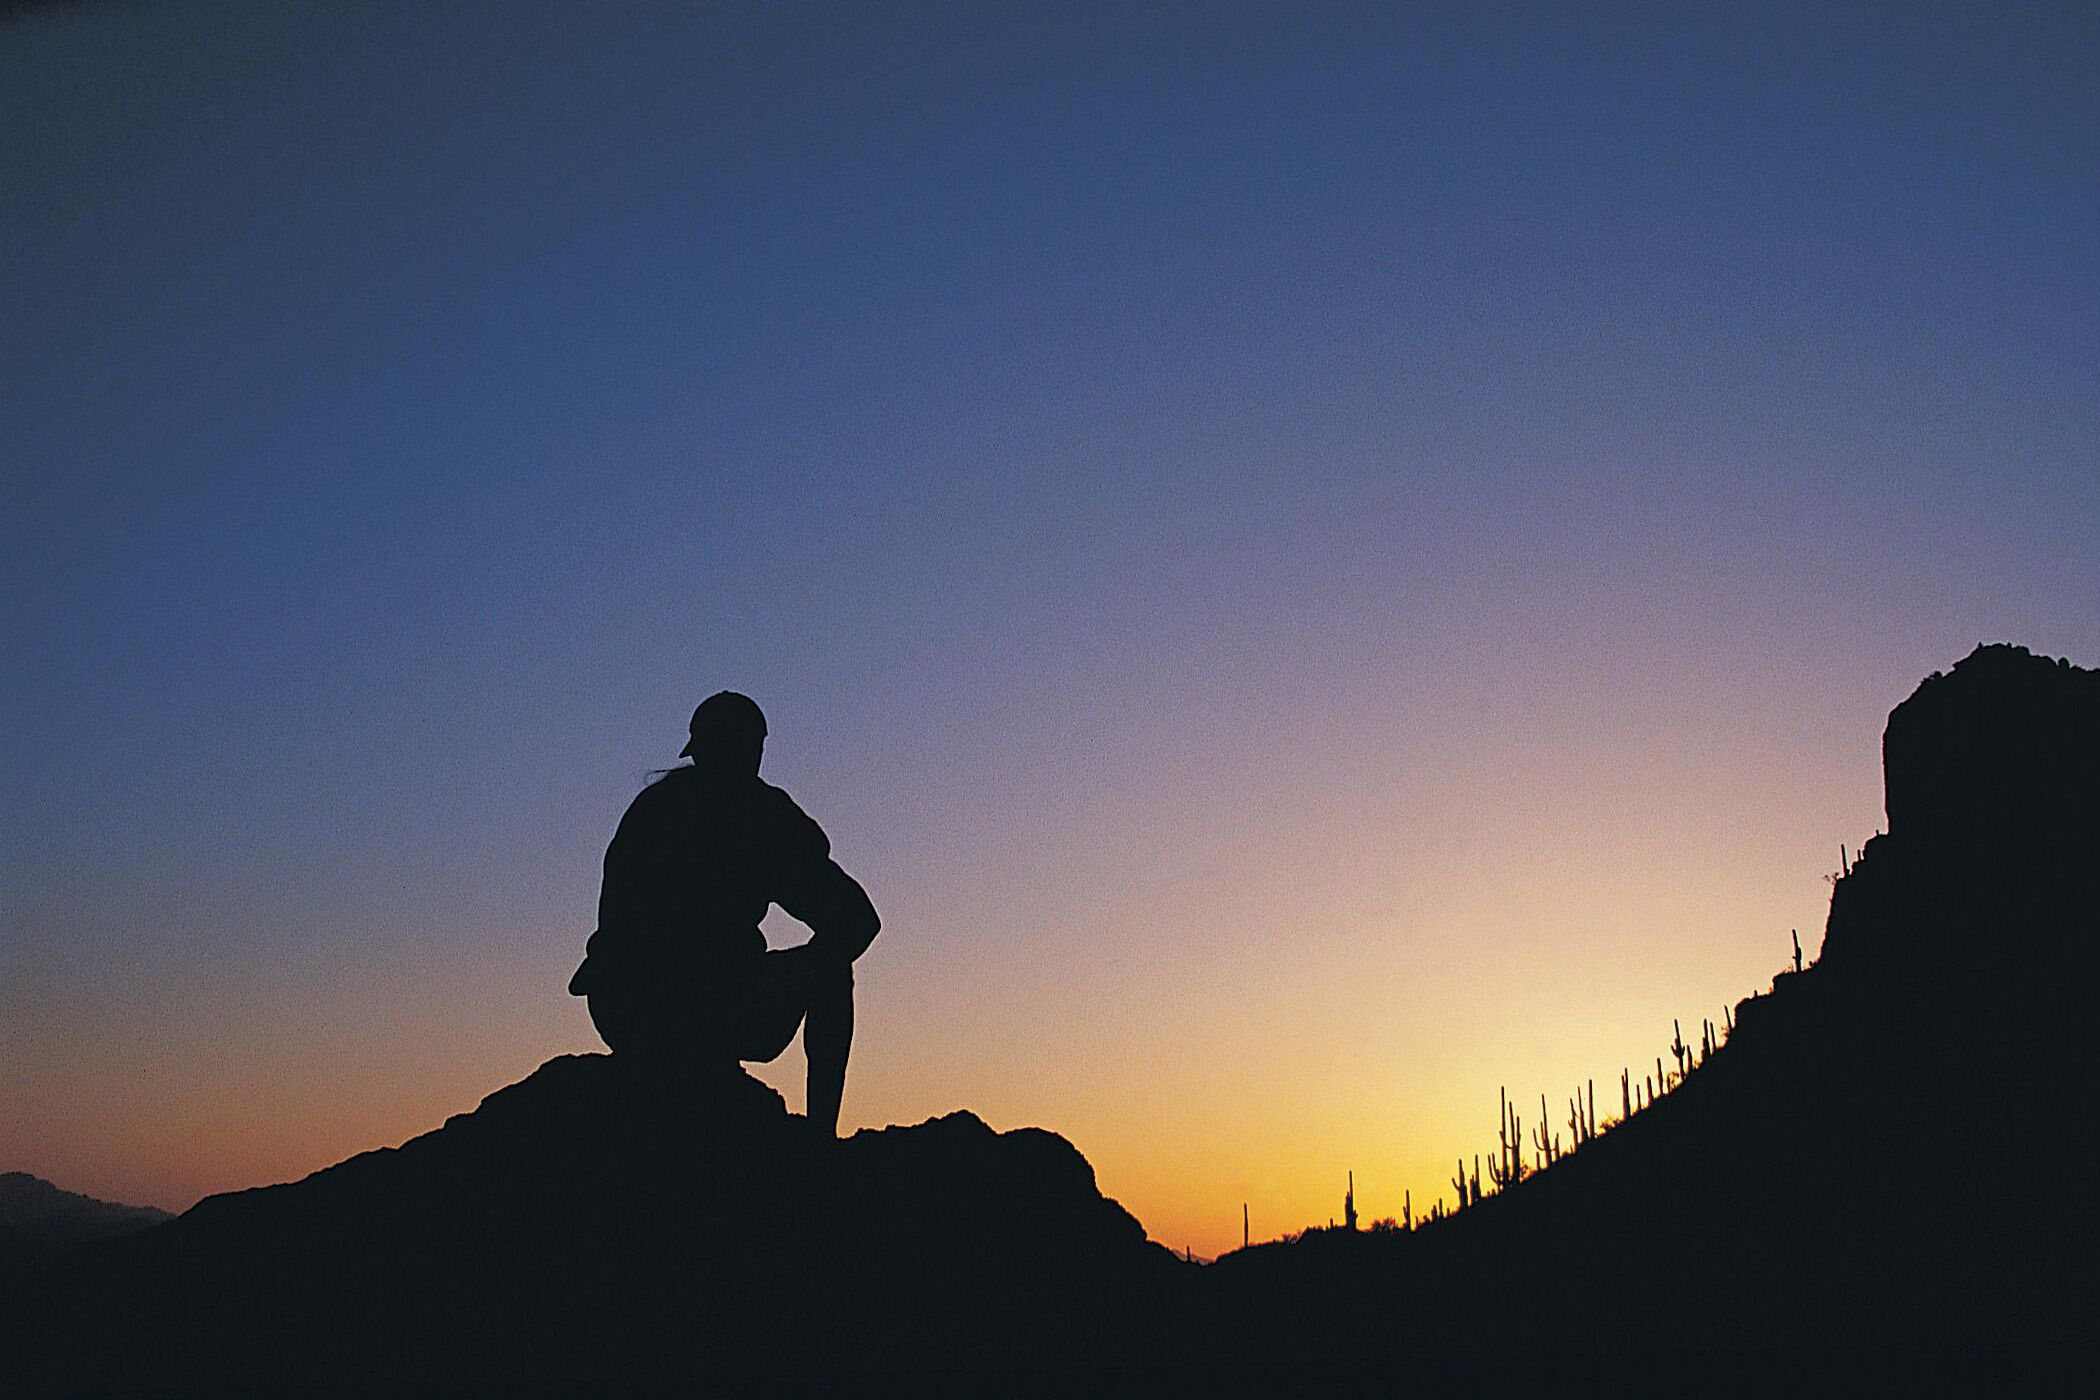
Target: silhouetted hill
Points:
(1892, 1150)
(38, 1219)
(585, 1224)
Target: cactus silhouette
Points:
(1548, 1142)
(1507, 1169)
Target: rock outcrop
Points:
(1991, 866)
(2000, 756)
(590, 1224)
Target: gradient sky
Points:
(1316, 561)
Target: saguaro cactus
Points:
(1507, 1169)
(1548, 1141)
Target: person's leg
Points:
(676, 1043)
(810, 988)
(769, 1007)
(827, 1039)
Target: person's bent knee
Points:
(607, 1021)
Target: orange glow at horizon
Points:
(1327, 960)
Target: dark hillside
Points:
(1892, 1150)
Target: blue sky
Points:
(1112, 442)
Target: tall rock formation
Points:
(1990, 870)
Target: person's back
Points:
(678, 971)
(690, 872)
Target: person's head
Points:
(728, 734)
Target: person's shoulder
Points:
(665, 785)
(794, 827)
(776, 803)
(662, 791)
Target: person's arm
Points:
(837, 910)
(811, 886)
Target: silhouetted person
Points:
(678, 973)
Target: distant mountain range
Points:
(38, 1219)
(1886, 1160)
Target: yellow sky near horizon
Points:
(1238, 996)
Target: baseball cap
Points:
(724, 715)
